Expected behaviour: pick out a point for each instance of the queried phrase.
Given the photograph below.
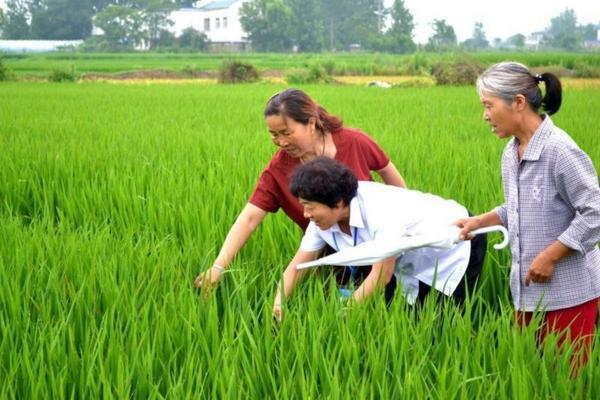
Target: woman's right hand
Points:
(277, 312)
(468, 225)
(209, 278)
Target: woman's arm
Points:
(291, 276)
(380, 275)
(391, 176)
(245, 224)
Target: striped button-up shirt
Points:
(551, 194)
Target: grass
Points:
(40, 65)
(113, 197)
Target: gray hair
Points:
(508, 79)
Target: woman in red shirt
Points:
(303, 130)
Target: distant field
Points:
(113, 197)
(339, 63)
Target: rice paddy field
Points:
(39, 65)
(113, 197)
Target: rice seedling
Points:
(113, 197)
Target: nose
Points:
(279, 142)
(486, 117)
(307, 215)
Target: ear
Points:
(520, 102)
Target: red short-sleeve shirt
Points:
(353, 148)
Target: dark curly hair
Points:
(324, 181)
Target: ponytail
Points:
(328, 122)
(553, 98)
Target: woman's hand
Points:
(468, 225)
(277, 312)
(542, 266)
(210, 278)
(540, 270)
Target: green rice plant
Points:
(113, 198)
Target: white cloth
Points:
(381, 215)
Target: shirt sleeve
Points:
(577, 184)
(265, 194)
(374, 154)
(502, 214)
(312, 240)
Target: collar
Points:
(356, 219)
(537, 142)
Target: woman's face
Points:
(499, 115)
(322, 215)
(291, 136)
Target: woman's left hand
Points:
(541, 269)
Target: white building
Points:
(218, 19)
(534, 39)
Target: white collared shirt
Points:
(382, 212)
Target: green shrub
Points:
(63, 75)
(457, 73)
(312, 74)
(586, 71)
(329, 66)
(6, 74)
(237, 72)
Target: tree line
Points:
(271, 25)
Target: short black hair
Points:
(324, 181)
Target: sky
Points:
(500, 18)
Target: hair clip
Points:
(538, 78)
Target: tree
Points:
(268, 24)
(348, 22)
(402, 19)
(2, 21)
(563, 31)
(191, 39)
(401, 33)
(362, 23)
(15, 24)
(334, 13)
(307, 32)
(156, 19)
(122, 26)
(443, 38)
(62, 19)
(517, 40)
(588, 32)
(478, 40)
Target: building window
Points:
(207, 24)
(218, 24)
(224, 22)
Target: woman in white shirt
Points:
(344, 213)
